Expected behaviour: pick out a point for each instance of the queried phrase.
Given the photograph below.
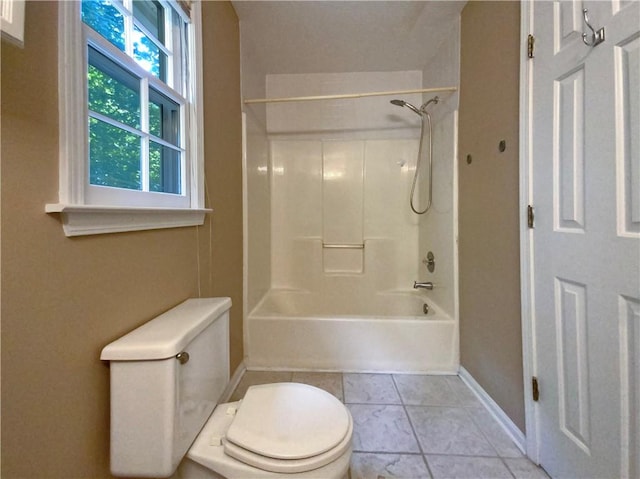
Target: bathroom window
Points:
(129, 96)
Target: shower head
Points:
(417, 111)
(408, 105)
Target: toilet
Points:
(167, 377)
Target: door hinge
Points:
(535, 391)
(530, 216)
(530, 41)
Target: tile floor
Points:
(415, 426)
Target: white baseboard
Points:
(514, 432)
(233, 382)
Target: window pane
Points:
(164, 169)
(155, 119)
(105, 19)
(164, 117)
(151, 15)
(113, 91)
(148, 55)
(114, 156)
(179, 44)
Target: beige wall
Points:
(490, 330)
(64, 299)
(223, 155)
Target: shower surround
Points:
(345, 246)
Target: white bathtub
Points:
(385, 332)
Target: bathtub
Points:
(382, 332)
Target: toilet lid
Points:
(289, 421)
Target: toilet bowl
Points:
(167, 377)
(278, 430)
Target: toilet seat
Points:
(309, 429)
(288, 427)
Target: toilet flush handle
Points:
(183, 357)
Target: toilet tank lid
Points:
(168, 334)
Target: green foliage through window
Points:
(112, 97)
(122, 149)
(105, 19)
(115, 156)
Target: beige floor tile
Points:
(424, 390)
(494, 433)
(448, 430)
(382, 428)
(440, 417)
(465, 396)
(523, 468)
(370, 389)
(461, 467)
(252, 378)
(388, 466)
(330, 382)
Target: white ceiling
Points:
(343, 36)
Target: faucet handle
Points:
(426, 285)
(430, 262)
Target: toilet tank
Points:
(166, 378)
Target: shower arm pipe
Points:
(349, 95)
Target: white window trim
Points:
(12, 21)
(79, 217)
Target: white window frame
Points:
(84, 213)
(12, 21)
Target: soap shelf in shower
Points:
(342, 246)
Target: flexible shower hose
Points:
(415, 175)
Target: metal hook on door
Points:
(597, 37)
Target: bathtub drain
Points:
(425, 308)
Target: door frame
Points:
(529, 353)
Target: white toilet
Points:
(166, 379)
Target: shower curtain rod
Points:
(349, 95)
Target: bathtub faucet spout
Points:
(426, 285)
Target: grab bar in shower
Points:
(342, 246)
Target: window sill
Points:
(80, 220)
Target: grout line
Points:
(474, 457)
(484, 456)
(413, 429)
(395, 386)
(459, 405)
(410, 405)
(488, 436)
(372, 403)
(508, 468)
(395, 453)
(426, 463)
(454, 393)
(482, 432)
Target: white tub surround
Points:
(383, 332)
(340, 207)
(344, 242)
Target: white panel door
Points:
(586, 241)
